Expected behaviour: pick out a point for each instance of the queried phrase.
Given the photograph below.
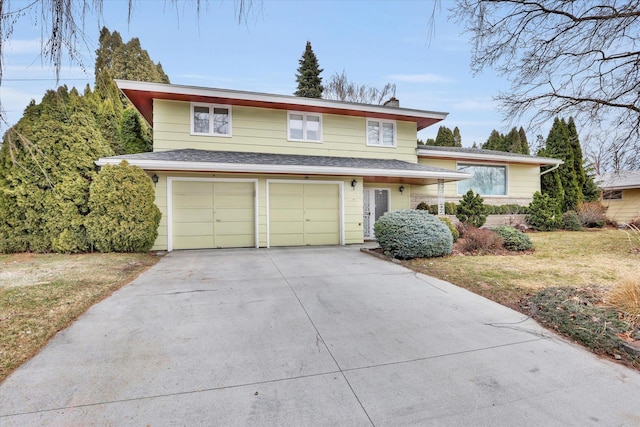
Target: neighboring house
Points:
(244, 169)
(621, 195)
(500, 178)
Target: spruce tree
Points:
(581, 176)
(445, 137)
(308, 76)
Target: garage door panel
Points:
(192, 242)
(193, 215)
(226, 228)
(320, 215)
(321, 227)
(287, 240)
(322, 239)
(235, 215)
(192, 187)
(286, 228)
(183, 201)
(193, 228)
(321, 203)
(286, 215)
(235, 241)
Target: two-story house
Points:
(244, 169)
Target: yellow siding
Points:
(265, 130)
(625, 209)
(522, 181)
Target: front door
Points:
(376, 203)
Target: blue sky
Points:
(374, 42)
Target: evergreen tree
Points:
(524, 144)
(558, 146)
(131, 136)
(46, 167)
(444, 138)
(574, 141)
(495, 142)
(308, 76)
(430, 141)
(457, 138)
(512, 143)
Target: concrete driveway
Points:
(310, 336)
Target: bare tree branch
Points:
(339, 88)
(572, 58)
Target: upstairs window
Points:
(381, 133)
(488, 180)
(305, 127)
(210, 119)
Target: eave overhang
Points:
(142, 94)
(489, 157)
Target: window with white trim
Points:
(612, 195)
(210, 119)
(487, 180)
(381, 133)
(304, 126)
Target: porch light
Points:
(154, 178)
(354, 183)
(401, 189)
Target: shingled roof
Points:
(249, 162)
(620, 180)
(464, 153)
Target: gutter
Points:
(552, 169)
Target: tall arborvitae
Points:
(128, 61)
(457, 138)
(308, 76)
(559, 146)
(524, 144)
(47, 162)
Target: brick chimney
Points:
(392, 102)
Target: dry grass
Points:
(586, 258)
(625, 298)
(41, 294)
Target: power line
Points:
(45, 80)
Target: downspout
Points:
(552, 169)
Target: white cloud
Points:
(14, 46)
(420, 78)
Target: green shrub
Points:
(571, 221)
(472, 210)
(422, 206)
(544, 213)
(512, 239)
(592, 214)
(450, 208)
(123, 216)
(479, 240)
(452, 228)
(408, 234)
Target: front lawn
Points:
(41, 294)
(579, 267)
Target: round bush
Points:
(513, 240)
(571, 221)
(123, 217)
(408, 234)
